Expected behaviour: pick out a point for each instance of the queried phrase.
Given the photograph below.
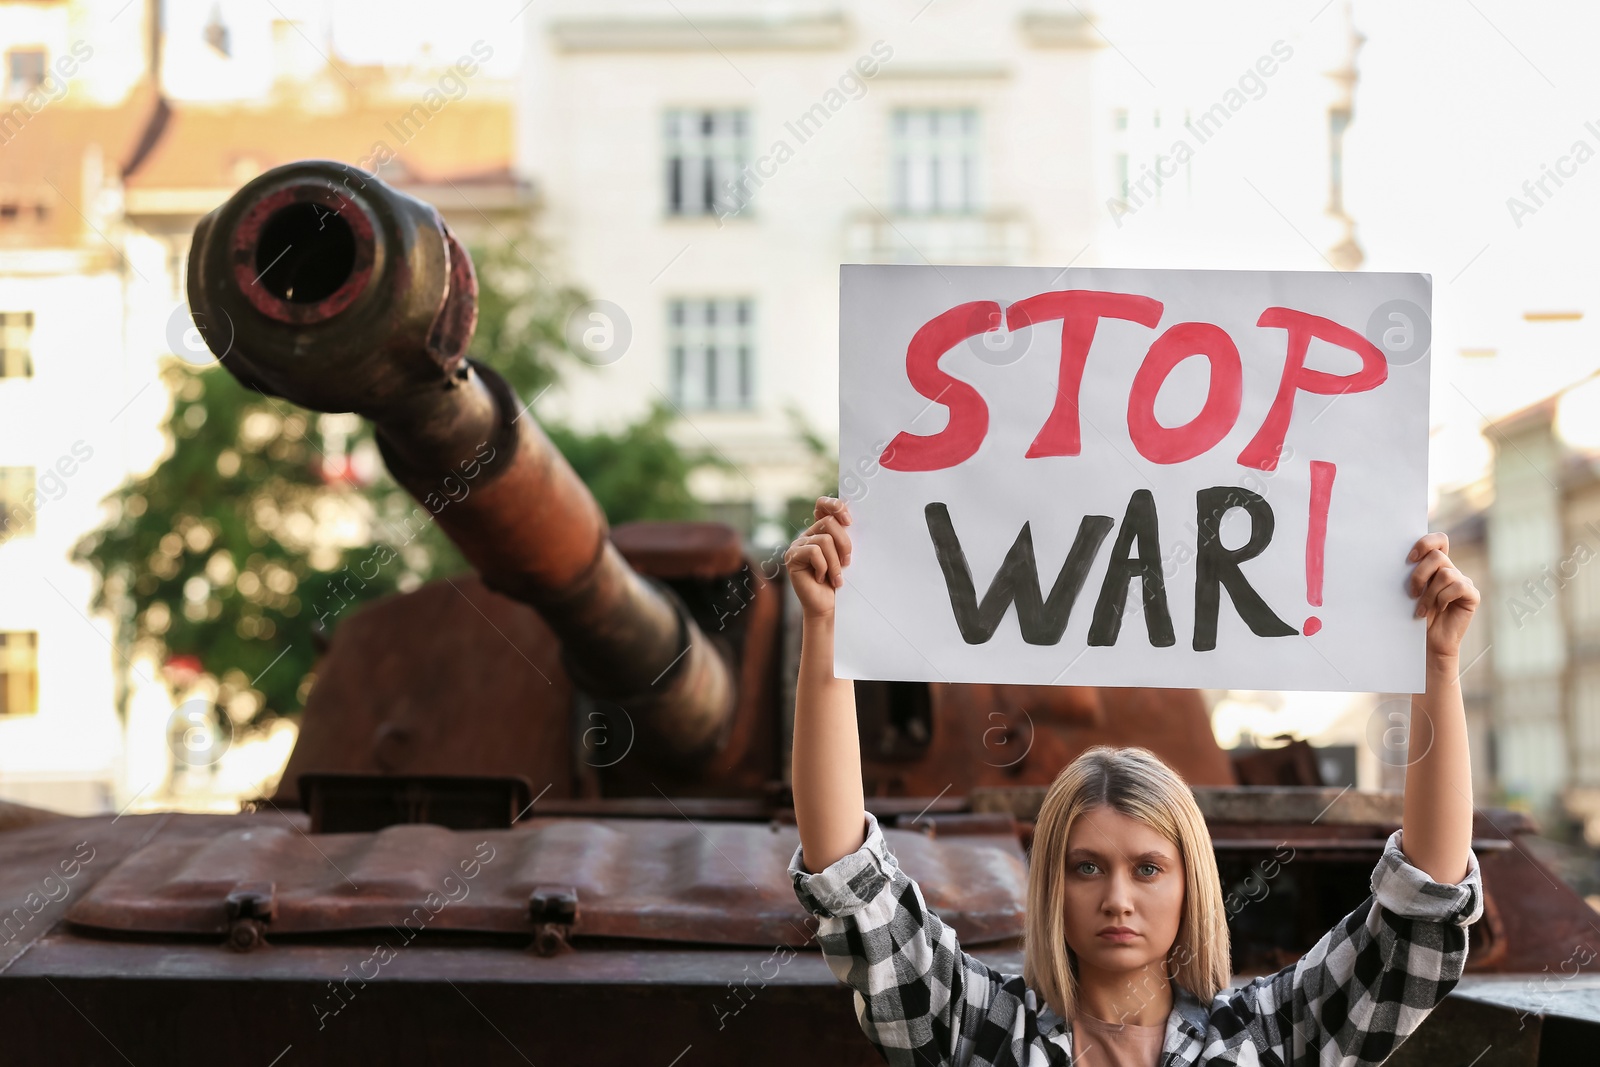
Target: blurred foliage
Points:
(266, 522)
(800, 512)
(637, 474)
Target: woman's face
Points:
(1124, 890)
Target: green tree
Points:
(223, 552)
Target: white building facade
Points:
(705, 169)
(76, 416)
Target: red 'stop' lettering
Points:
(1224, 393)
(1080, 311)
(1265, 447)
(969, 415)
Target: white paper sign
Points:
(1133, 477)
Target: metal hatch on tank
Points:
(453, 866)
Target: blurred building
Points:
(1530, 536)
(115, 138)
(707, 165)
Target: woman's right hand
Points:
(817, 558)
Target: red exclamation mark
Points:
(1317, 538)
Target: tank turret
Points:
(339, 293)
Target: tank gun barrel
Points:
(319, 284)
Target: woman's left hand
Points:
(1445, 595)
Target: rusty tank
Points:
(539, 813)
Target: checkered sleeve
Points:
(1371, 980)
(919, 998)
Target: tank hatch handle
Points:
(251, 906)
(552, 909)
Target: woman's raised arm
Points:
(1373, 978)
(828, 804)
(920, 998)
(1437, 821)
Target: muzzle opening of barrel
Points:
(306, 252)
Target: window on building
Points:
(24, 71)
(711, 345)
(706, 152)
(1585, 590)
(935, 155)
(1143, 162)
(16, 516)
(1586, 724)
(19, 672)
(215, 33)
(21, 212)
(16, 344)
(1338, 119)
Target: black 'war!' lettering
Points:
(1216, 566)
(1042, 619)
(1139, 523)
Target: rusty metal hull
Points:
(667, 881)
(70, 993)
(494, 1006)
(184, 1006)
(181, 1006)
(124, 920)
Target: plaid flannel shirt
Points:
(1350, 1001)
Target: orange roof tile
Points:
(42, 165)
(217, 148)
(223, 146)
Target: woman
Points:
(1126, 945)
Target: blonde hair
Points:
(1135, 783)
